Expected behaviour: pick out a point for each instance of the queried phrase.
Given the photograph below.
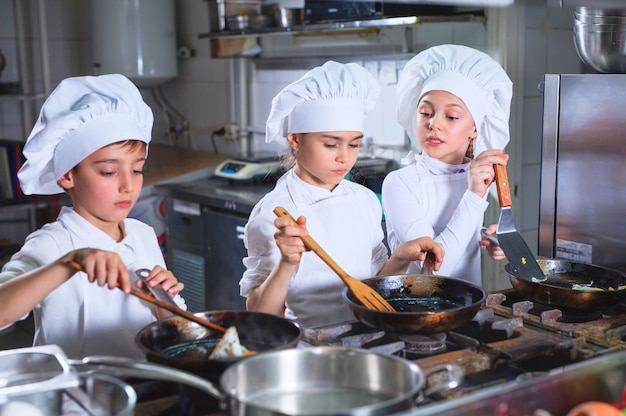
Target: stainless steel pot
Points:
(303, 381)
(40, 381)
(327, 381)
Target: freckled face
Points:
(324, 159)
(106, 184)
(444, 126)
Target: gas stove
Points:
(509, 342)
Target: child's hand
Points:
(481, 170)
(494, 250)
(160, 276)
(288, 238)
(102, 267)
(415, 250)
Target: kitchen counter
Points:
(167, 163)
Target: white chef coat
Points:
(82, 317)
(431, 198)
(347, 225)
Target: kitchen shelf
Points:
(343, 26)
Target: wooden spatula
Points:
(515, 248)
(168, 306)
(365, 294)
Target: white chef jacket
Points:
(79, 316)
(431, 198)
(347, 225)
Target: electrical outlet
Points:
(230, 131)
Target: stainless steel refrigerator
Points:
(583, 169)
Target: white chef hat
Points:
(473, 76)
(81, 115)
(331, 97)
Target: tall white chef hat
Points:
(473, 76)
(331, 97)
(81, 115)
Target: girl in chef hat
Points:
(321, 115)
(453, 102)
(90, 141)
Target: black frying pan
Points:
(572, 285)
(424, 304)
(185, 345)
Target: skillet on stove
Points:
(572, 285)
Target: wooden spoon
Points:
(172, 308)
(365, 294)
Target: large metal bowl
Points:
(600, 38)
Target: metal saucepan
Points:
(572, 285)
(303, 381)
(424, 304)
(183, 344)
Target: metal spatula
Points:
(365, 294)
(515, 248)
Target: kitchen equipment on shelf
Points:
(242, 167)
(573, 286)
(363, 293)
(600, 38)
(424, 304)
(180, 343)
(512, 243)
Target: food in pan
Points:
(229, 346)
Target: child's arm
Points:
(270, 296)
(410, 251)
(21, 294)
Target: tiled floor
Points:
(19, 335)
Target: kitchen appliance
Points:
(249, 167)
(583, 175)
(516, 355)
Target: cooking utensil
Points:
(562, 276)
(362, 292)
(183, 344)
(33, 380)
(329, 381)
(157, 291)
(170, 306)
(425, 304)
(303, 381)
(515, 248)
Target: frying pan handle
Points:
(453, 378)
(122, 367)
(485, 236)
(502, 185)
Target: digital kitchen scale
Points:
(248, 167)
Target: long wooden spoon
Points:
(365, 294)
(174, 309)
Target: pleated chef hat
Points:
(331, 97)
(473, 76)
(82, 115)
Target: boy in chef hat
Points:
(454, 103)
(321, 116)
(91, 141)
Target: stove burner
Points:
(425, 344)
